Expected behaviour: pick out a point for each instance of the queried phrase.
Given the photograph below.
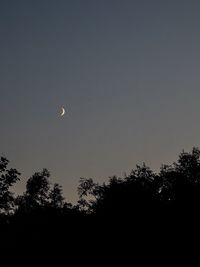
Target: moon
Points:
(63, 112)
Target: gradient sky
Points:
(127, 73)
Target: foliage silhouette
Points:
(138, 206)
(56, 197)
(8, 177)
(37, 190)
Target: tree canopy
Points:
(134, 203)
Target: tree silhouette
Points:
(37, 192)
(89, 194)
(125, 196)
(55, 197)
(8, 177)
(180, 182)
(139, 206)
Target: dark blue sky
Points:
(127, 73)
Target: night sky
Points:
(127, 73)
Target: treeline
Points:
(175, 186)
(134, 201)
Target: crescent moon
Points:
(63, 112)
